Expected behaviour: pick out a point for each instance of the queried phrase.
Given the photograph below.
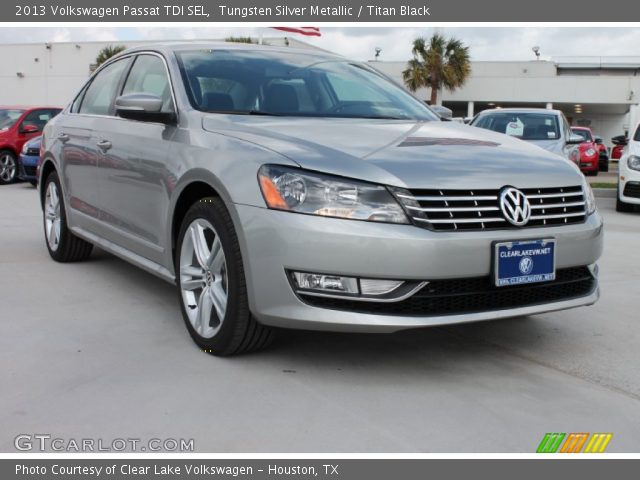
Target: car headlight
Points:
(589, 198)
(574, 155)
(633, 162)
(301, 191)
(590, 152)
(25, 147)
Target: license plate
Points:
(529, 261)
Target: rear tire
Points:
(211, 283)
(62, 244)
(8, 167)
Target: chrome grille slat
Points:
(556, 205)
(463, 220)
(444, 198)
(559, 215)
(533, 196)
(454, 209)
(468, 210)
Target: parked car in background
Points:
(17, 126)
(629, 175)
(619, 142)
(548, 129)
(28, 161)
(603, 154)
(589, 151)
(290, 171)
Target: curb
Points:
(604, 192)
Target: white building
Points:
(601, 92)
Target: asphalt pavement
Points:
(98, 350)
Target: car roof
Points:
(169, 47)
(580, 128)
(27, 107)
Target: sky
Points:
(486, 43)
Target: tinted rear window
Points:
(526, 126)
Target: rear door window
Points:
(100, 94)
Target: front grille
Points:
(33, 152)
(471, 295)
(632, 189)
(479, 209)
(29, 171)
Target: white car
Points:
(629, 177)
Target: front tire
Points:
(62, 244)
(211, 283)
(8, 167)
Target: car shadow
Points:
(429, 347)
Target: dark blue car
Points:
(28, 161)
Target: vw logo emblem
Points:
(515, 206)
(526, 266)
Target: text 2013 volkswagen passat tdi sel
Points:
(283, 188)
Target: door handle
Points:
(63, 137)
(104, 145)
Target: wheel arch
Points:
(190, 194)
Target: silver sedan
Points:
(286, 188)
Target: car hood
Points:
(553, 146)
(406, 154)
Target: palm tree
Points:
(107, 52)
(442, 62)
(240, 40)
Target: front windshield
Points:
(586, 136)
(9, 117)
(526, 126)
(293, 84)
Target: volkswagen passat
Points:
(285, 188)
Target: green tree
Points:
(437, 63)
(240, 40)
(107, 52)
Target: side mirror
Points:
(145, 107)
(619, 140)
(574, 139)
(443, 112)
(599, 141)
(29, 128)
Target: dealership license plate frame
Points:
(547, 274)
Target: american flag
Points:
(309, 31)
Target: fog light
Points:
(378, 287)
(326, 283)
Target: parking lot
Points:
(98, 349)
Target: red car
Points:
(619, 143)
(589, 151)
(17, 125)
(603, 153)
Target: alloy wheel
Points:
(52, 216)
(203, 278)
(7, 167)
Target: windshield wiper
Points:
(261, 112)
(245, 112)
(381, 117)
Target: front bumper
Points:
(589, 164)
(629, 188)
(27, 166)
(273, 242)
